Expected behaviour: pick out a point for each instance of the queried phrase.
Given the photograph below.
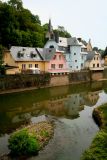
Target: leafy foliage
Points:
(104, 53)
(2, 68)
(19, 27)
(22, 143)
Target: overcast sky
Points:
(82, 18)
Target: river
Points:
(71, 108)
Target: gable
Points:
(51, 44)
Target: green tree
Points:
(95, 48)
(104, 53)
(37, 39)
(17, 4)
(2, 67)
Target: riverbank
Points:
(34, 88)
(29, 140)
(98, 148)
(18, 83)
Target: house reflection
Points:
(91, 98)
(60, 105)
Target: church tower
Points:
(89, 46)
(50, 33)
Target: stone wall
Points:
(21, 81)
(59, 80)
(97, 75)
(79, 76)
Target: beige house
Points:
(21, 59)
(93, 61)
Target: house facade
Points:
(24, 58)
(72, 50)
(55, 62)
(35, 60)
(93, 61)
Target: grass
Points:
(98, 148)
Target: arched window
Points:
(51, 46)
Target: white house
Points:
(73, 52)
(79, 54)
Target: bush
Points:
(22, 143)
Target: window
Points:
(77, 67)
(94, 58)
(53, 66)
(93, 65)
(36, 65)
(97, 58)
(74, 53)
(60, 65)
(68, 49)
(75, 60)
(20, 54)
(30, 65)
(83, 49)
(97, 64)
(23, 66)
(23, 49)
(54, 57)
(82, 57)
(60, 57)
(34, 55)
(51, 46)
(81, 64)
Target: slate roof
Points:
(73, 41)
(90, 55)
(47, 53)
(26, 52)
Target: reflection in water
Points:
(62, 102)
(58, 104)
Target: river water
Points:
(71, 108)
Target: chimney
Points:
(79, 39)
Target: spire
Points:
(89, 46)
(50, 26)
(89, 42)
(50, 33)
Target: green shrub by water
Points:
(98, 149)
(22, 143)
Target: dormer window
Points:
(33, 55)
(20, 54)
(23, 49)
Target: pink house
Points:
(58, 63)
(55, 62)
